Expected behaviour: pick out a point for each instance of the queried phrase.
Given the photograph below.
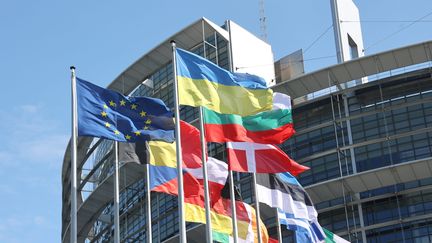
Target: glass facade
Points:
(390, 123)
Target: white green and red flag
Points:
(269, 127)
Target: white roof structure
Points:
(371, 179)
(342, 73)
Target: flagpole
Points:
(257, 208)
(233, 206)
(73, 222)
(279, 229)
(148, 201)
(182, 224)
(231, 185)
(204, 159)
(116, 195)
(206, 186)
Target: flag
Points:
(203, 83)
(252, 235)
(159, 153)
(217, 174)
(247, 229)
(221, 237)
(220, 213)
(283, 191)
(161, 157)
(246, 219)
(107, 114)
(268, 127)
(305, 231)
(260, 158)
(164, 179)
(195, 212)
(333, 238)
(272, 240)
(295, 208)
(163, 153)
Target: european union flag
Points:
(107, 114)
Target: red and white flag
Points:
(217, 174)
(261, 158)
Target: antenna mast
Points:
(262, 19)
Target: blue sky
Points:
(39, 40)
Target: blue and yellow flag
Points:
(107, 114)
(203, 83)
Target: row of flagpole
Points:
(182, 224)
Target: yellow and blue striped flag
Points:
(203, 83)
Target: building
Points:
(369, 145)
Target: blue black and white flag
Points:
(107, 114)
(305, 231)
(283, 191)
(295, 208)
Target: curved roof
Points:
(371, 179)
(355, 69)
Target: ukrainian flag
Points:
(203, 83)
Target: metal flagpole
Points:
(182, 223)
(233, 207)
(204, 160)
(148, 201)
(206, 187)
(231, 182)
(73, 222)
(116, 195)
(279, 229)
(257, 208)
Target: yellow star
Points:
(148, 121)
(116, 132)
(146, 128)
(122, 103)
(107, 124)
(137, 133)
(143, 113)
(104, 114)
(112, 103)
(128, 137)
(105, 106)
(133, 106)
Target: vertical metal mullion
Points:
(338, 156)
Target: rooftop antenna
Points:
(262, 19)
